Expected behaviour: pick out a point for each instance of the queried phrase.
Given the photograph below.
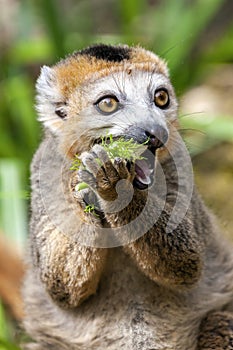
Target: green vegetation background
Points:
(192, 35)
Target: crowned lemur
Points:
(132, 260)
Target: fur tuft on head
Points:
(107, 52)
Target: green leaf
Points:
(81, 186)
(122, 148)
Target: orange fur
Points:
(76, 70)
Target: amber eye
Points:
(161, 98)
(108, 104)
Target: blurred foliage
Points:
(189, 34)
(6, 332)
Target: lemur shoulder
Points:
(121, 277)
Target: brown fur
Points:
(215, 330)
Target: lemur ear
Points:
(51, 106)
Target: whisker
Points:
(117, 83)
(193, 146)
(191, 114)
(150, 75)
(192, 130)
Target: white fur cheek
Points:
(48, 96)
(46, 115)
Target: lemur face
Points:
(136, 104)
(106, 90)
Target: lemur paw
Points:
(104, 175)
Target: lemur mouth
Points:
(144, 169)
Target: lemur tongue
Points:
(143, 171)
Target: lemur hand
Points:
(104, 175)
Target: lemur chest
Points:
(131, 312)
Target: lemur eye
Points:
(161, 98)
(107, 104)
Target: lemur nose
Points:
(157, 136)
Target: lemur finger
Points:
(90, 163)
(125, 168)
(131, 169)
(84, 196)
(110, 172)
(120, 166)
(101, 154)
(87, 177)
(81, 195)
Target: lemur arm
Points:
(169, 258)
(70, 271)
(173, 258)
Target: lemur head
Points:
(117, 90)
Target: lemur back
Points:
(133, 259)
